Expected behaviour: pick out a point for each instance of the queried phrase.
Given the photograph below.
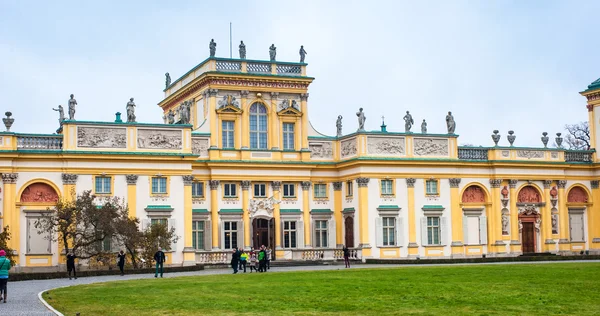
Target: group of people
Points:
(259, 261)
(71, 263)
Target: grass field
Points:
(541, 289)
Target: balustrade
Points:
(472, 153)
(34, 142)
(291, 70)
(224, 65)
(258, 67)
(578, 156)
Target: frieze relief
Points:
(529, 154)
(430, 147)
(159, 139)
(200, 146)
(348, 148)
(386, 146)
(321, 150)
(100, 137)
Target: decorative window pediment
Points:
(229, 109)
(289, 108)
(229, 105)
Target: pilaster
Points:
(547, 219)
(245, 120)
(214, 212)
(337, 212)
(132, 194)
(189, 253)
(413, 247)
(212, 114)
(363, 215)
(274, 120)
(563, 218)
(494, 220)
(10, 213)
(276, 186)
(69, 183)
(594, 226)
(304, 106)
(245, 215)
(515, 243)
(306, 211)
(456, 215)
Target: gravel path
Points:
(23, 296)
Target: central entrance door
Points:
(263, 231)
(528, 236)
(349, 227)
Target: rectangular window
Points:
(103, 185)
(389, 231)
(37, 243)
(288, 136)
(576, 227)
(159, 221)
(228, 132)
(198, 234)
(229, 190)
(230, 234)
(387, 187)
(159, 185)
(433, 230)
(431, 187)
(320, 190)
(289, 190)
(198, 189)
(349, 189)
(105, 245)
(320, 234)
(289, 234)
(260, 190)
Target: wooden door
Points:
(528, 237)
(349, 238)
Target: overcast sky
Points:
(502, 65)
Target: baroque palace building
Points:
(238, 164)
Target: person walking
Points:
(243, 260)
(71, 264)
(159, 257)
(235, 258)
(268, 258)
(4, 267)
(121, 261)
(346, 255)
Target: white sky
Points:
(495, 64)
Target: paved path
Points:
(23, 295)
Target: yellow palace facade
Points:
(238, 164)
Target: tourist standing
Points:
(268, 258)
(243, 260)
(346, 255)
(159, 257)
(235, 258)
(253, 261)
(71, 264)
(4, 267)
(262, 254)
(121, 261)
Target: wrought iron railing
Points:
(579, 155)
(292, 70)
(472, 153)
(223, 65)
(34, 142)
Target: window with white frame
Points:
(433, 230)
(321, 234)
(388, 226)
(159, 221)
(229, 190)
(320, 190)
(288, 136)
(103, 185)
(227, 128)
(576, 225)
(198, 234)
(474, 227)
(389, 231)
(197, 189)
(289, 234)
(349, 189)
(260, 190)
(289, 190)
(258, 126)
(387, 187)
(230, 232)
(431, 187)
(159, 185)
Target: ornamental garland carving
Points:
(337, 186)
(385, 146)
(200, 146)
(410, 182)
(188, 179)
(529, 194)
(348, 148)
(577, 195)
(257, 205)
(131, 178)
(362, 182)
(431, 147)
(321, 150)
(473, 194)
(10, 177)
(39, 192)
(159, 139)
(529, 154)
(100, 137)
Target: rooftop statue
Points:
(213, 47)
(61, 114)
(361, 119)
(424, 127)
(408, 122)
(338, 125)
(272, 52)
(302, 53)
(167, 80)
(450, 123)
(242, 50)
(171, 117)
(184, 112)
(72, 104)
(130, 111)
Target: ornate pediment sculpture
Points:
(229, 104)
(289, 107)
(264, 207)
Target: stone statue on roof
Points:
(272, 52)
(338, 126)
(61, 114)
(361, 119)
(424, 127)
(450, 123)
(408, 122)
(302, 53)
(212, 46)
(242, 50)
(130, 111)
(167, 80)
(72, 104)
(171, 117)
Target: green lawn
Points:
(541, 289)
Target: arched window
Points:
(258, 126)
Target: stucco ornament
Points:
(99, 137)
(320, 150)
(529, 154)
(159, 139)
(385, 146)
(200, 146)
(289, 103)
(39, 193)
(555, 223)
(529, 194)
(430, 147)
(348, 148)
(577, 195)
(473, 194)
(228, 100)
(505, 223)
(262, 207)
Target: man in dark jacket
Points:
(121, 261)
(235, 260)
(71, 264)
(159, 257)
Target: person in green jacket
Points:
(4, 267)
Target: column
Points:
(132, 194)
(515, 243)
(457, 219)
(413, 247)
(69, 195)
(245, 216)
(276, 186)
(593, 211)
(245, 128)
(303, 99)
(11, 213)
(306, 211)
(274, 122)
(495, 232)
(363, 216)
(212, 106)
(563, 218)
(214, 212)
(189, 253)
(337, 213)
(547, 219)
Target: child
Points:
(253, 261)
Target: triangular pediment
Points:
(290, 112)
(230, 109)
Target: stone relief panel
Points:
(323, 150)
(159, 139)
(348, 148)
(577, 195)
(101, 137)
(529, 154)
(473, 194)
(505, 153)
(39, 192)
(529, 194)
(386, 146)
(200, 146)
(431, 147)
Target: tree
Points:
(154, 236)
(4, 238)
(578, 136)
(129, 235)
